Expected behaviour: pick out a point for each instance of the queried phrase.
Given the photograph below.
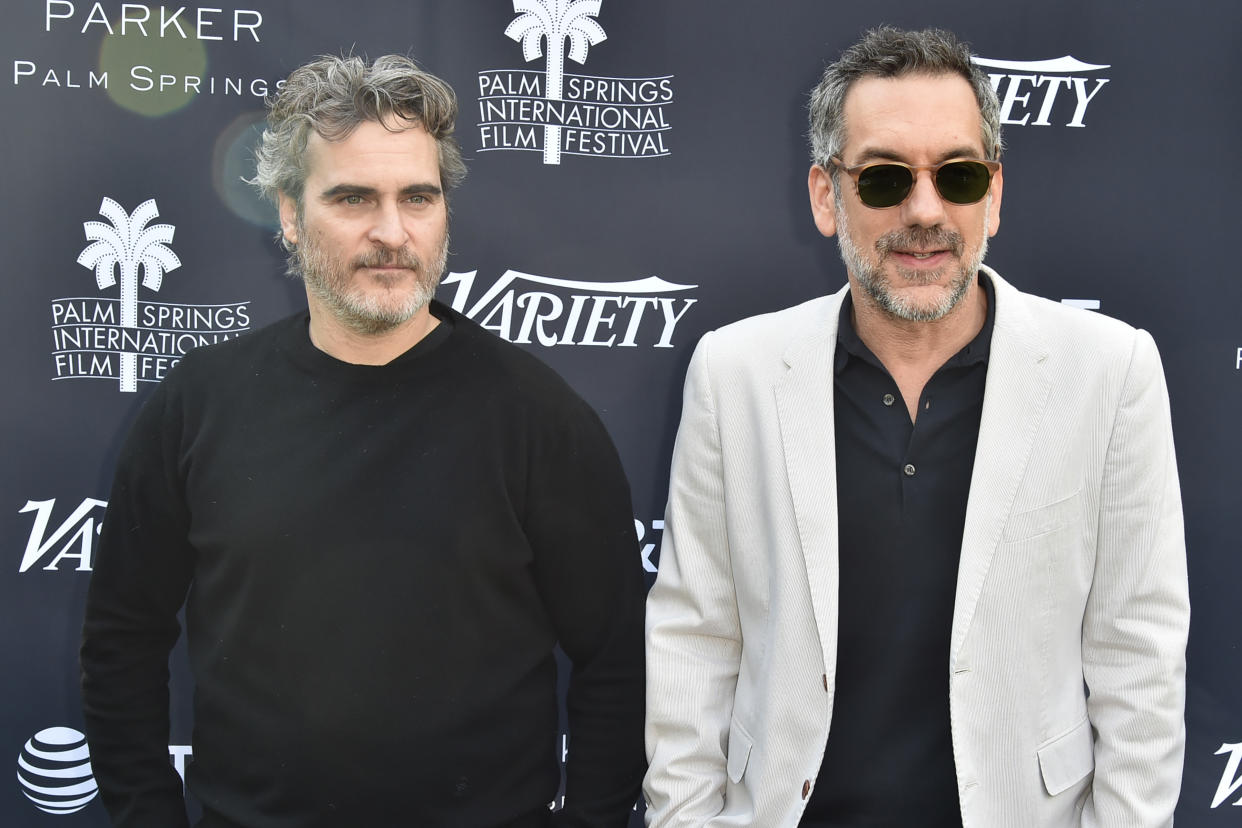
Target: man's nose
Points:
(924, 207)
(388, 228)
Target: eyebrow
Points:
(360, 190)
(884, 154)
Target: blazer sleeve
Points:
(1138, 612)
(693, 632)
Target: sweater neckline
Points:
(295, 341)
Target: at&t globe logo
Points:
(54, 770)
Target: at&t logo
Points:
(529, 309)
(1044, 92)
(125, 339)
(54, 771)
(649, 546)
(556, 113)
(72, 542)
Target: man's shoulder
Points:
(241, 348)
(767, 337)
(204, 371)
(503, 366)
(1063, 327)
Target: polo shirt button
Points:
(806, 789)
(909, 470)
(889, 399)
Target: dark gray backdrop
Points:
(1125, 203)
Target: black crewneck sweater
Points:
(376, 563)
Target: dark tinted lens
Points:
(963, 182)
(883, 185)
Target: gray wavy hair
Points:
(333, 95)
(886, 52)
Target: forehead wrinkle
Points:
(912, 112)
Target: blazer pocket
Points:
(1044, 520)
(1067, 758)
(740, 744)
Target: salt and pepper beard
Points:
(329, 279)
(870, 276)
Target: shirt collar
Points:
(849, 344)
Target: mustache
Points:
(387, 257)
(923, 238)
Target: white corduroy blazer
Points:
(1067, 658)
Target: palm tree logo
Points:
(555, 21)
(128, 242)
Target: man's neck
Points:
(913, 351)
(903, 343)
(357, 348)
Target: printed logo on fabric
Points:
(122, 338)
(1231, 779)
(1053, 92)
(566, 114)
(54, 771)
(529, 309)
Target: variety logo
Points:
(559, 113)
(54, 771)
(529, 309)
(125, 339)
(1230, 780)
(1055, 91)
(73, 540)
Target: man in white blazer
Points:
(1032, 673)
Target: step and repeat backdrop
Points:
(662, 196)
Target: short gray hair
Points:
(333, 96)
(886, 52)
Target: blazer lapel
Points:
(1013, 404)
(804, 407)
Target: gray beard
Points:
(871, 280)
(328, 279)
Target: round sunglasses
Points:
(888, 183)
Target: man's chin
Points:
(373, 317)
(912, 278)
(924, 303)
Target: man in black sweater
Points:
(380, 520)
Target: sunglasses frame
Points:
(855, 171)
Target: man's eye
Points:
(352, 199)
(418, 199)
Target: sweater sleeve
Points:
(580, 524)
(142, 572)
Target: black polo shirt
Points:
(901, 508)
